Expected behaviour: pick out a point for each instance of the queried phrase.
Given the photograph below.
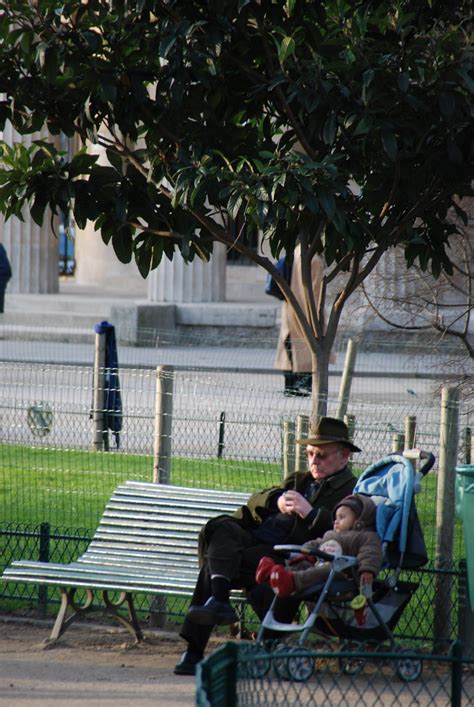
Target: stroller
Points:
(391, 482)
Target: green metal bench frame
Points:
(146, 542)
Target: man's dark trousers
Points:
(232, 552)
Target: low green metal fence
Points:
(48, 543)
(59, 544)
(237, 675)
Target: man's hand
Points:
(294, 502)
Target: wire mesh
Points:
(228, 412)
(243, 675)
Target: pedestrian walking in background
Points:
(5, 275)
(293, 356)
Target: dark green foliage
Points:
(270, 109)
(347, 124)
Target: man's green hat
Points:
(328, 430)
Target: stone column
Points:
(98, 267)
(32, 250)
(176, 281)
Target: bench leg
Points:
(67, 600)
(63, 621)
(130, 624)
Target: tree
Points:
(344, 124)
(443, 306)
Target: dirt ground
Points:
(89, 665)
(100, 666)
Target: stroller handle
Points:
(305, 551)
(428, 457)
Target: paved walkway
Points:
(231, 358)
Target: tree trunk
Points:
(320, 376)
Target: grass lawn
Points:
(69, 489)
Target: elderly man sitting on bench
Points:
(232, 546)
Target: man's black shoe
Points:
(297, 392)
(213, 613)
(187, 664)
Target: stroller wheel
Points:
(259, 665)
(280, 665)
(350, 664)
(408, 668)
(300, 667)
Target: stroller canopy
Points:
(391, 483)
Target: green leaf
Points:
(109, 89)
(122, 244)
(447, 104)
(157, 252)
(287, 48)
(403, 82)
(363, 127)
(390, 144)
(242, 4)
(234, 204)
(329, 128)
(468, 80)
(328, 203)
(38, 208)
(143, 259)
(116, 161)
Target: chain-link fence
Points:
(64, 545)
(228, 414)
(241, 674)
(226, 432)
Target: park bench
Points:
(146, 542)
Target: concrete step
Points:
(68, 335)
(57, 303)
(70, 320)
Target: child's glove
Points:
(282, 581)
(264, 569)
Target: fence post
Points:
(302, 426)
(350, 421)
(456, 674)
(445, 506)
(410, 431)
(44, 539)
(163, 425)
(467, 445)
(162, 462)
(221, 443)
(288, 448)
(465, 613)
(398, 443)
(98, 387)
(346, 379)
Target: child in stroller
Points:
(391, 483)
(354, 534)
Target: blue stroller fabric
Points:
(392, 480)
(112, 396)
